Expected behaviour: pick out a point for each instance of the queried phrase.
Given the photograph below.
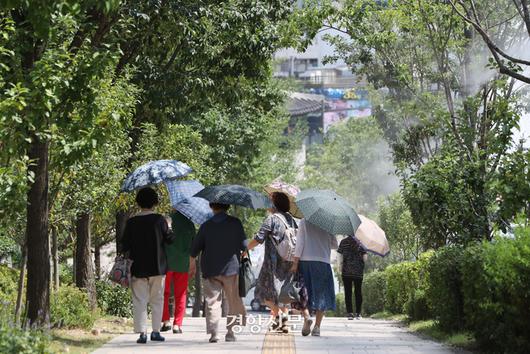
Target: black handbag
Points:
(247, 279)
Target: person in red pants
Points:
(178, 255)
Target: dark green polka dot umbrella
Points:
(328, 211)
(236, 195)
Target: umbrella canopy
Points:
(235, 194)
(372, 237)
(154, 172)
(196, 209)
(181, 198)
(181, 190)
(288, 189)
(329, 211)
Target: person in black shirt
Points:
(144, 240)
(220, 242)
(353, 258)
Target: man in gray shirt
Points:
(220, 242)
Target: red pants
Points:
(180, 285)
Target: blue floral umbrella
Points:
(154, 172)
(181, 198)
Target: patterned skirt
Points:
(274, 272)
(318, 280)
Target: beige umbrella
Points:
(372, 237)
(290, 190)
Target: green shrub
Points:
(14, 339)
(340, 307)
(8, 287)
(418, 306)
(401, 280)
(17, 340)
(497, 293)
(374, 288)
(113, 299)
(444, 292)
(70, 308)
(66, 274)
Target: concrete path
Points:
(337, 336)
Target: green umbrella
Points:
(236, 195)
(328, 211)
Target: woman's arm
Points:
(300, 243)
(264, 231)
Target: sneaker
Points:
(142, 339)
(306, 329)
(165, 327)
(350, 316)
(156, 337)
(177, 329)
(230, 337)
(315, 332)
(358, 316)
(213, 338)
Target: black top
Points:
(144, 239)
(221, 240)
(352, 257)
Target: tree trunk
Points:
(38, 287)
(55, 259)
(84, 271)
(21, 278)
(121, 220)
(198, 290)
(97, 260)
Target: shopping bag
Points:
(247, 279)
(121, 271)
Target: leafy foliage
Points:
(354, 162)
(374, 290)
(70, 308)
(114, 300)
(402, 234)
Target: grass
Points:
(430, 328)
(78, 341)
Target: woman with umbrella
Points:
(325, 215)
(145, 238)
(312, 259)
(275, 269)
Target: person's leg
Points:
(212, 300)
(275, 318)
(140, 296)
(274, 308)
(167, 295)
(181, 288)
(358, 282)
(319, 317)
(236, 309)
(347, 281)
(156, 299)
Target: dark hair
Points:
(281, 202)
(219, 206)
(147, 198)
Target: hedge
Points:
(70, 308)
(484, 289)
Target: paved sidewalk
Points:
(337, 336)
